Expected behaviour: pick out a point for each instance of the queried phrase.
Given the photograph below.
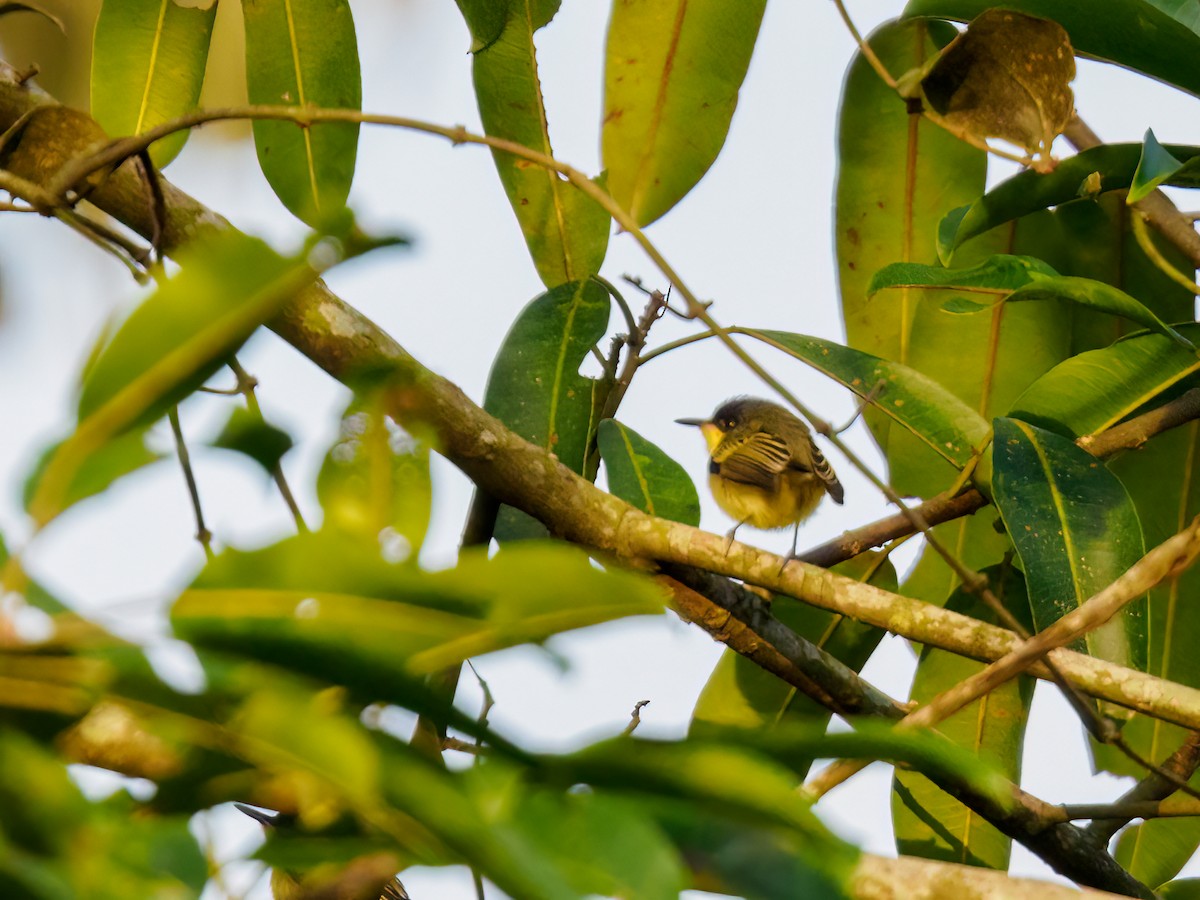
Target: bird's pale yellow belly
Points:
(797, 495)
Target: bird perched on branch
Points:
(764, 468)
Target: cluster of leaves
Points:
(932, 271)
(303, 640)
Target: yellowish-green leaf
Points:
(565, 230)
(304, 53)
(310, 601)
(148, 59)
(671, 77)
(375, 480)
(928, 821)
(643, 476)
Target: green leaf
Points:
(375, 481)
(1096, 240)
(248, 433)
(16, 6)
(627, 854)
(1131, 33)
(1075, 530)
(1000, 274)
(739, 693)
(898, 174)
(305, 55)
(566, 231)
(671, 77)
(1031, 191)
(642, 475)
(485, 20)
(57, 845)
(331, 745)
(742, 860)
(1155, 167)
(229, 285)
(159, 851)
(535, 387)
(122, 456)
(986, 358)
(1156, 847)
(1163, 478)
(931, 413)
(929, 822)
(1183, 889)
(148, 59)
(1020, 278)
(311, 600)
(759, 761)
(1095, 390)
(1098, 296)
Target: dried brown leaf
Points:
(1007, 76)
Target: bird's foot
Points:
(787, 559)
(729, 536)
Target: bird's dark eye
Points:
(727, 424)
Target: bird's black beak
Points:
(262, 816)
(696, 423)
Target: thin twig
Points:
(635, 342)
(246, 384)
(156, 204)
(635, 717)
(203, 535)
(1182, 764)
(864, 48)
(1126, 810)
(484, 711)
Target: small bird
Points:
(764, 468)
(285, 887)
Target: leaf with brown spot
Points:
(1007, 76)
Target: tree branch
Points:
(1182, 764)
(879, 878)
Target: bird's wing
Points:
(822, 469)
(757, 459)
(394, 891)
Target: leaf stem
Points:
(203, 535)
(246, 384)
